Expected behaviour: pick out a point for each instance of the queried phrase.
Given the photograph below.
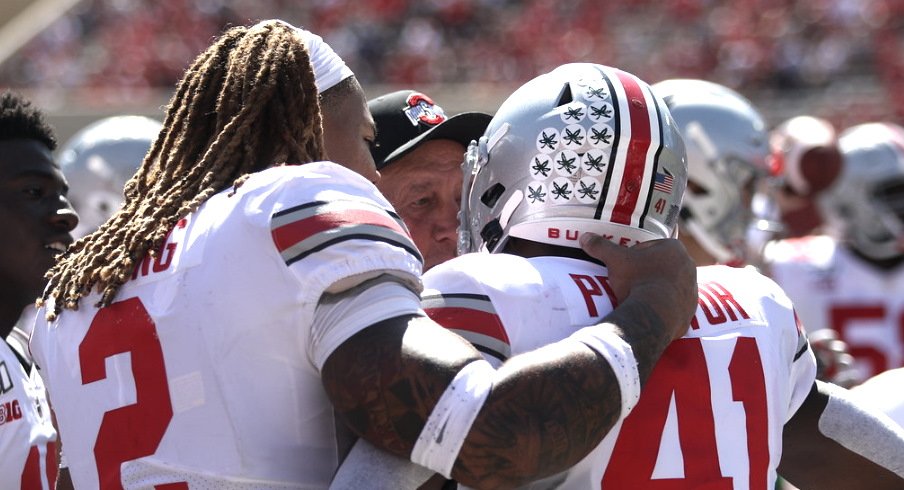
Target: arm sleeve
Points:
(455, 298)
(334, 230)
(336, 237)
(339, 316)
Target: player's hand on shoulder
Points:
(660, 271)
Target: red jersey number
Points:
(133, 431)
(31, 474)
(841, 318)
(682, 373)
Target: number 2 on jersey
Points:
(682, 373)
(133, 431)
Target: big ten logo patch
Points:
(10, 411)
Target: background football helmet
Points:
(866, 205)
(584, 147)
(727, 151)
(806, 152)
(807, 162)
(98, 160)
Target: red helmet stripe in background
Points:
(636, 147)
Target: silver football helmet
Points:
(99, 159)
(727, 151)
(584, 147)
(866, 204)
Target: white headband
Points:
(329, 68)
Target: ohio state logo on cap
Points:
(422, 109)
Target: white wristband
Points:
(621, 359)
(450, 421)
(863, 430)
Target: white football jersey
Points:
(712, 413)
(832, 288)
(28, 458)
(205, 372)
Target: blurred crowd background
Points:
(837, 59)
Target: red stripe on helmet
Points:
(636, 155)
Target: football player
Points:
(851, 280)
(727, 152)
(208, 333)
(728, 159)
(38, 221)
(728, 401)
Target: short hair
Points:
(333, 95)
(20, 119)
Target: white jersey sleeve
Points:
(504, 304)
(334, 231)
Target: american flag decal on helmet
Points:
(663, 182)
(303, 230)
(634, 159)
(472, 316)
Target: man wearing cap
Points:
(418, 151)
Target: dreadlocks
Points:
(247, 103)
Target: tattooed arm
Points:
(545, 410)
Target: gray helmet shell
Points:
(99, 160)
(584, 147)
